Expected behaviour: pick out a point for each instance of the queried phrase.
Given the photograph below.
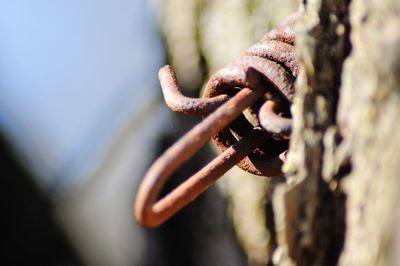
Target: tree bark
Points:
(340, 203)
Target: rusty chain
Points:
(246, 114)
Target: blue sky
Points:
(72, 72)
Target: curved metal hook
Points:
(272, 122)
(182, 104)
(152, 212)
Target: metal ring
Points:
(272, 122)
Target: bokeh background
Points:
(82, 118)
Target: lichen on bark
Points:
(340, 204)
(313, 204)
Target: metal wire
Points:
(262, 81)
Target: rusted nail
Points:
(148, 210)
(182, 104)
(272, 122)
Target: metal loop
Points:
(277, 51)
(272, 122)
(150, 212)
(285, 32)
(270, 64)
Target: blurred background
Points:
(82, 118)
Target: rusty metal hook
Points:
(272, 122)
(150, 211)
(182, 104)
(267, 71)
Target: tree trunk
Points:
(340, 204)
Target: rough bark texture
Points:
(314, 206)
(340, 204)
(368, 116)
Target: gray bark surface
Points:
(340, 204)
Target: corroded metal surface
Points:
(272, 122)
(272, 64)
(151, 212)
(182, 104)
(246, 110)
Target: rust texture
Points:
(182, 104)
(271, 121)
(246, 114)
